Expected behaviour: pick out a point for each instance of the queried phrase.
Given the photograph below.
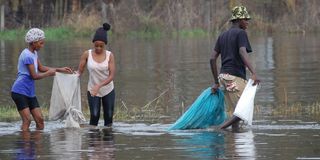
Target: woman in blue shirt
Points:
(30, 69)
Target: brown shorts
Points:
(233, 88)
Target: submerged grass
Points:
(312, 111)
(295, 110)
(151, 112)
(8, 113)
(122, 113)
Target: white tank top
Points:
(99, 72)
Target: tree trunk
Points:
(65, 10)
(2, 18)
(104, 12)
(48, 11)
(75, 6)
(207, 18)
(60, 10)
(111, 16)
(179, 14)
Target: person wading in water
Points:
(101, 66)
(29, 70)
(233, 45)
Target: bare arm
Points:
(245, 58)
(83, 62)
(37, 76)
(42, 68)
(213, 65)
(214, 70)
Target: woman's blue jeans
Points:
(107, 105)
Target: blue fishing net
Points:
(207, 110)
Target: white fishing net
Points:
(65, 100)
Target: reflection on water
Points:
(56, 142)
(29, 144)
(78, 143)
(102, 144)
(287, 64)
(147, 67)
(203, 145)
(244, 145)
(65, 143)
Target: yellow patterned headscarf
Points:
(240, 12)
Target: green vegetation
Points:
(9, 113)
(185, 33)
(147, 18)
(50, 33)
(146, 34)
(70, 33)
(12, 34)
(156, 19)
(60, 33)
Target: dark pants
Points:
(23, 101)
(108, 107)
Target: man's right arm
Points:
(213, 65)
(214, 70)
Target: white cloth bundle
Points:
(66, 100)
(245, 105)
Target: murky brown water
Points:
(288, 66)
(142, 141)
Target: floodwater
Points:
(177, 70)
(143, 141)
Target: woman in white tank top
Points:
(101, 66)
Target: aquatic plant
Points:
(153, 111)
(150, 112)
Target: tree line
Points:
(154, 15)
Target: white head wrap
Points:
(34, 34)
